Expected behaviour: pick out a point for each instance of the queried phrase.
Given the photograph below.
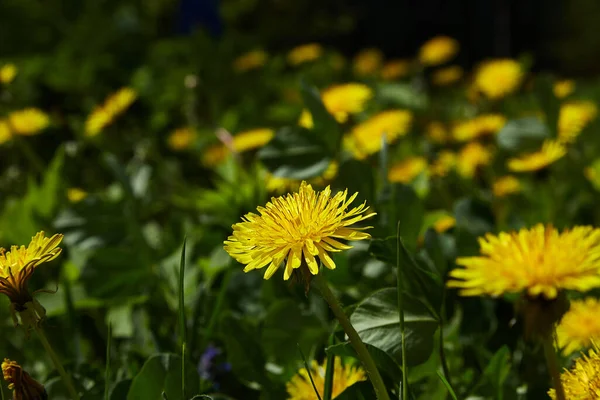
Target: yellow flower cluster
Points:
(240, 143)
(477, 127)
(471, 157)
(105, 114)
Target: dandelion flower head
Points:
(447, 76)
(443, 164)
(297, 229)
(244, 141)
(344, 376)
(24, 386)
(367, 62)
(8, 73)
(573, 118)
(437, 132)
(365, 138)
(481, 125)
(305, 53)
(181, 139)
(471, 157)
(5, 133)
(539, 261)
(251, 60)
(406, 170)
(582, 381)
(498, 78)
(438, 50)
(564, 88)
(75, 194)
(395, 69)
(550, 152)
(29, 121)
(580, 326)
(113, 106)
(506, 185)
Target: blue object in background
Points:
(205, 13)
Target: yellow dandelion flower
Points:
(573, 118)
(447, 76)
(550, 152)
(445, 223)
(8, 73)
(438, 50)
(251, 60)
(244, 141)
(75, 194)
(497, 78)
(113, 106)
(296, 229)
(18, 264)
(23, 385)
(365, 138)
(564, 88)
(538, 261)
(436, 132)
(580, 326)
(5, 133)
(592, 173)
(344, 376)
(479, 126)
(471, 157)
(181, 139)
(305, 53)
(279, 185)
(28, 121)
(444, 163)
(506, 185)
(367, 62)
(214, 155)
(395, 69)
(406, 170)
(582, 382)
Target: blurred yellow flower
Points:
(296, 228)
(367, 62)
(582, 381)
(395, 69)
(244, 141)
(573, 118)
(344, 376)
(406, 170)
(113, 106)
(580, 326)
(23, 385)
(592, 173)
(497, 78)
(365, 139)
(564, 88)
(479, 126)
(444, 163)
(471, 157)
(28, 121)
(436, 132)
(539, 261)
(447, 76)
(305, 53)
(75, 194)
(438, 50)
(8, 73)
(341, 101)
(250, 60)
(280, 185)
(506, 185)
(444, 223)
(181, 139)
(5, 134)
(550, 152)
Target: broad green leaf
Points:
(162, 373)
(295, 153)
(376, 321)
(522, 134)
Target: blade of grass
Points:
(107, 370)
(447, 384)
(182, 314)
(217, 308)
(308, 371)
(329, 371)
(400, 289)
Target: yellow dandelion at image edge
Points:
(582, 381)
(579, 326)
(566, 260)
(298, 228)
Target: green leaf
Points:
(376, 321)
(295, 153)
(385, 363)
(400, 204)
(447, 384)
(243, 348)
(120, 390)
(522, 134)
(495, 373)
(284, 324)
(162, 373)
(402, 95)
(325, 126)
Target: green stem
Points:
(57, 364)
(361, 350)
(400, 291)
(553, 369)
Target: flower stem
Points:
(552, 364)
(57, 364)
(361, 350)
